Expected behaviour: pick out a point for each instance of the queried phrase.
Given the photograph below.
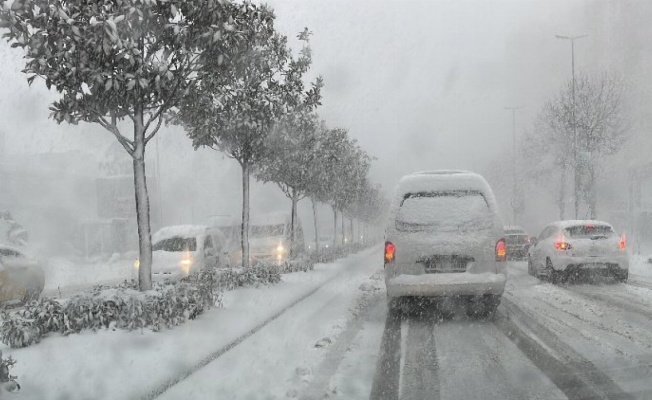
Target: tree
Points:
(292, 160)
(126, 60)
(601, 125)
(234, 111)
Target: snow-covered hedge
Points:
(260, 274)
(122, 307)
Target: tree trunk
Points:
(562, 193)
(591, 192)
(314, 216)
(334, 226)
(244, 228)
(353, 238)
(293, 220)
(343, 229)
(142, 207)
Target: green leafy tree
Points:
(292, 161)
(234, 111)
(127, 60)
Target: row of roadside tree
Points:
(219, 69)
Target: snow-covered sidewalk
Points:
(121, 364)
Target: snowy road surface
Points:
(328, 333)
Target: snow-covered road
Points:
(328, 333)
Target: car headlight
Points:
(186, 262)
(137, 264)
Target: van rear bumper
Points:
(445, 285)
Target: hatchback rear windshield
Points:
(590, 231)
(445, 211)
(176, 244)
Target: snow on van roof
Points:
(277, 218)
(444, 180)
(179, 230)
(580, 222)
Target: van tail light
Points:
(622, 245)
(390, 249)
(501, 250)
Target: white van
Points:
(178, 250)
(444, 239)
(269, 237)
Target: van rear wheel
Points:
(490, 304)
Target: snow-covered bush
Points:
(259, 274)
(121, 306)
(301, 264)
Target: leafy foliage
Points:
(115, 60)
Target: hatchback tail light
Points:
(561, 243)
(501, 250)
(390, 249)
(622, 245)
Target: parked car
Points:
(444, 239)
(178, 250)
(231, 229)
(570, 247)
(269, 237)
(517, 241)
(21, 277)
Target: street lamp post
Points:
(514, 188)
(576, 175)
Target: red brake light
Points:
(389, 252)
(562, 244)
(501, 250)
(622, 245)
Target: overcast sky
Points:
(421, 85)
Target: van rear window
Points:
(444, 211)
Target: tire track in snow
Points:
(611, 300)
(162, 388)
(421, 369)
(336, 353)
(386, 378)
(576, 376)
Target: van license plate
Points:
(442, 266)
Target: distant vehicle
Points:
(324, 242)
(21, 277)
(269, 237)
(517, 241)
(178, 250)
(444, 239)
(569, 247)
